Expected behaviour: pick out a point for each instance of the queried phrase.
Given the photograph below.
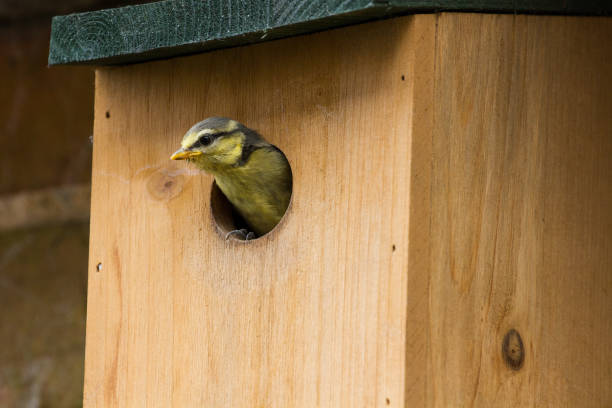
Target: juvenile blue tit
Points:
(253, 174)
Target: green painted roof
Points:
(177, 27)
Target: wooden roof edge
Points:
(178, 27)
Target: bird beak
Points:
(182, 154)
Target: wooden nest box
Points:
(449, 235)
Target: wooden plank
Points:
(177, 27)
(520, 211)
(313, 314)
(32, 9)
(417, 305)
(169, 28)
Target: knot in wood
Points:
(165, 184)
(513, 350)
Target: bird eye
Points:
(205, 140)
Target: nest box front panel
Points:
(313, 313)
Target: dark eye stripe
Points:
(211, 137)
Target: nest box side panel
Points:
(521, 247)
(312, 314)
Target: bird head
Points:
(213, 144)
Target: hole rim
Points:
(222, 231)
(218, 202)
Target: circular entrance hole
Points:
(228, 219)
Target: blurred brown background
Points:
(45, 169)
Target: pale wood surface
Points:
(487, 169)
(521, 211)
(314, 314)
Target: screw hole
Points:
(99, 267)
(107, 114)
(403, 77)
(393, 248)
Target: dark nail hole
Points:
(393, 248)
(403, 77)
(107, 114)
(99, 267)
(513, 351)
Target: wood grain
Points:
(312, 314)
(447, 243)
(170, 28)
(521, 199)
